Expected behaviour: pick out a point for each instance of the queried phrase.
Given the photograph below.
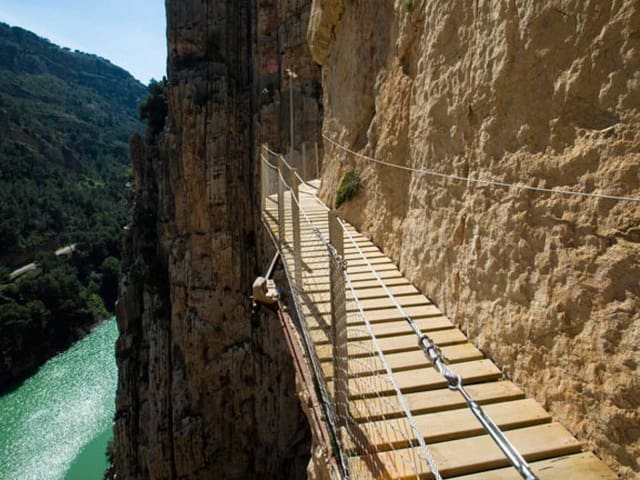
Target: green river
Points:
(56, 425)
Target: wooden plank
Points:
(357, 331)
(367, 277)
(311, 261)
(379, 292)
(388, 329)
(382, 267)
(320, 252)
(583, 466)
(392, 313)
(401, 327)
(322, 286)
(349, 249)
(389, 281)
(357, 273)
(399, 343)
(405, 294)
(461, 353)
(358, 238)
(408, 360)
(470, 455)
(379, 315)
(374, 303)
(420, 379)
(439, 400)
(388, 345)
(453, 424)
(385, 302)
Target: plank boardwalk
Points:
(456, 440)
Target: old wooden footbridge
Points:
(396, 389)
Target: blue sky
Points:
(129, 33)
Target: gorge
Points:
(539, 93)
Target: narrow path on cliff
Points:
(404, 393)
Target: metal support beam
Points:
(281, 219)
(338, 319)
(295, 218)
(304, 166)
(263, 178)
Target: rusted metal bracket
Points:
(322, 455)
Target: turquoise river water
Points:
(56, 425)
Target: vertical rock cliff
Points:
(543, 93)
(206, 390)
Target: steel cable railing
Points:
(483, 181)
(363, 432)
(362, 445)
(454, 380)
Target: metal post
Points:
(295, 219)
(317, 162)
(292, 76)
(291, 118)
(305, 170)
(263, 179)
(338, 320)
(281, 221)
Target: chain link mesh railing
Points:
(353, 379)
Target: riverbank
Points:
(30, 365)
(41, 316)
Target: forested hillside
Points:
(65, 121)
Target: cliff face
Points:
(535, 92)
(206, 390)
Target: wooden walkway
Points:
(459, 445)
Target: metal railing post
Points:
(338, 319)
(295, 220)
(281, 220)
(263, 179)
(317, 162)
(303, 166)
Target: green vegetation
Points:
(349, 187)
(408, 4)
(65, 121)
(41, 314)
(155, 107)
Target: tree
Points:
(4, 274)
(110, 269)
(155, 108)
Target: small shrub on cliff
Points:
(4, 274)
(349, 187)
(408, 4)
(155, 108)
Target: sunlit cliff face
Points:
(534, 93)
(204, 390)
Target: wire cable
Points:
(454, 380)
(480, 181)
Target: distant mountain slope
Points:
(65, 119)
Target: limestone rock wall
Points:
(540, 92)
(281, 43)
(206, 390)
